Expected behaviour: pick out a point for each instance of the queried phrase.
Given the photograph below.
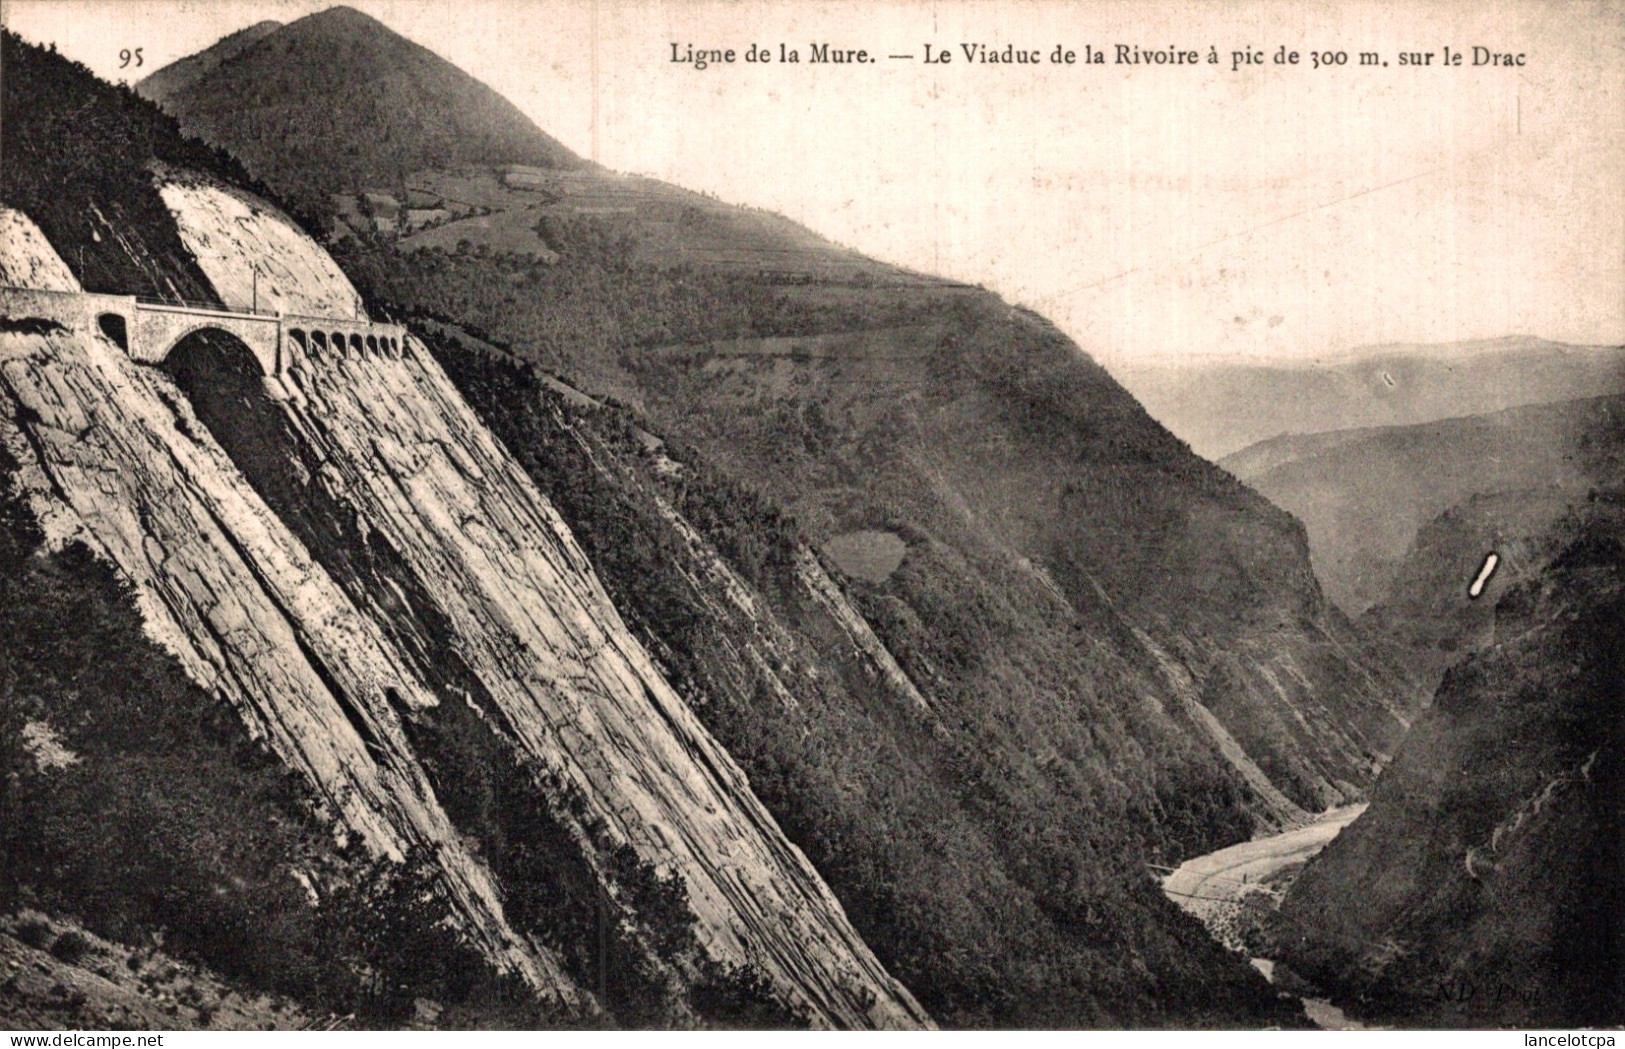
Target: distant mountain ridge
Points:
(314, 106)
(1222, 406)
(1363, 494)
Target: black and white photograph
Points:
(769, 515)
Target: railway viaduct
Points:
(148, 330)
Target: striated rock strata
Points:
(342, 561)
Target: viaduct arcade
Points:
(147, 331)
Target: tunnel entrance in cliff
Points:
(112, 326)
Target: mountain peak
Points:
(341, 88)
(346, 22)
(340, 14)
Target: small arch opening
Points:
(298, 337)
(355, 344)
(372, 344)
(319, 341)
(112, 326)
(337, 339)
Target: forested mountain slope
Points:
(177, 76)
(1483, 885)
(406, 110)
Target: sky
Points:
(1152, 210)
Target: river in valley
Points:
(1212, 888)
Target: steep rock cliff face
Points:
(363, 570)
(251, 253)
(112, 455)
(26, 258)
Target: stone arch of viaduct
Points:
(149, 331)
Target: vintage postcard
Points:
(567, 514)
